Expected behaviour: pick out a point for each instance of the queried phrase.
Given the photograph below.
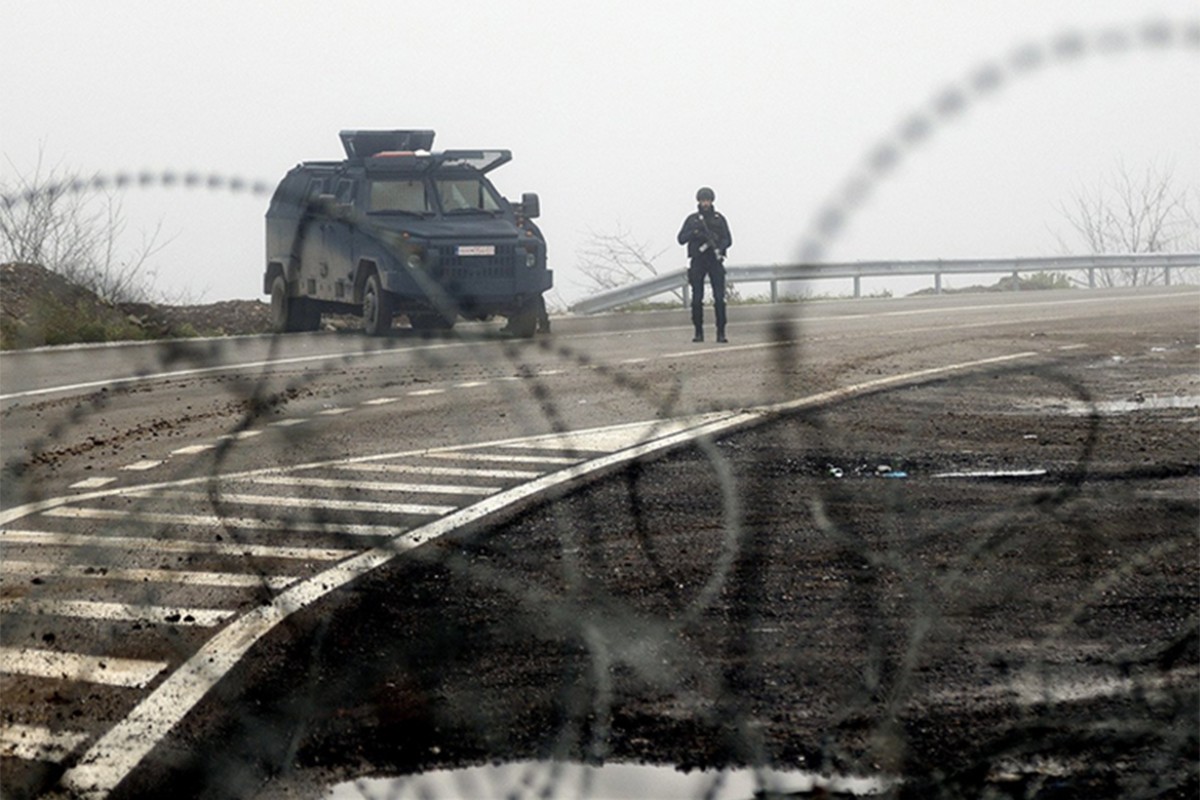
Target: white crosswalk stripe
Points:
(226, 523)
(373, 486)
(185, 577)
(451, 472)
(37, 743)
(126, 672)
(92, 609)
(297, 503)
(10, 537)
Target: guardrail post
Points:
(937, 283)
(858, 286)
(1167, 275)
(1091, 277)
(774, 291)
(1016, 281)
(687, 300)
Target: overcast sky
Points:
(617, 111)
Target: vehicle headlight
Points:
(530, 259)
(414, 260)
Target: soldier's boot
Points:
(699, 337)
(721, 335)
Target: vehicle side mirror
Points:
(530, 206)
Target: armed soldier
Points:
(707, 236)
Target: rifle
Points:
(708, 235)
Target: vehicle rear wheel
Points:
(290, 314)
(283, 307)
(377, 308)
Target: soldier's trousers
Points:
(715, 271)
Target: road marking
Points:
(371, 486)
(334, 412)
(239, 436)
(380, 401)
(459, 472)
(298, 503)
(470, 384)
(141, 466)
(184, 577)
(151, 545)
(193, 449)
(122, 612)
(287, 423)
(35, 743)
(111, 758)
(91, 483)
(499, 457)
(425, 392)
(125, 672)
(214, 521)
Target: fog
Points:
(932, 129)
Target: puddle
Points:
(571, 781)
(1129, 405)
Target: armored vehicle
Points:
(395, 229)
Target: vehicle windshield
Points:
(466, 194)
(404, 196)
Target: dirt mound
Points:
(39, 307)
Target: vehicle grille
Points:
(452, 266)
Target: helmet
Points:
(705, 193)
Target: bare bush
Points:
(609, 260)
(75, 226)
(1130, 213)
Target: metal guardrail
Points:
(785, 273)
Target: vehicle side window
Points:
(345, 192)
(399, 195)
(315, 187)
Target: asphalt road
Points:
(155, 496)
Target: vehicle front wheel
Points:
(377, 308)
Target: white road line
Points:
(239, 436)
(184, 577)
(141, 466)
(151, 545)
(35, 743)
(334, 412)
(425, 392)
(91, 483)
(380, 401)
(214, 521)
(501, 458)
(470, 384)
(192, 449)
(372, 486)
(287, 423)
(303, 502)
(124, 612)
(459, 472)
(126, 672)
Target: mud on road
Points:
(981, 585)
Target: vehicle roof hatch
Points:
(365, 144)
